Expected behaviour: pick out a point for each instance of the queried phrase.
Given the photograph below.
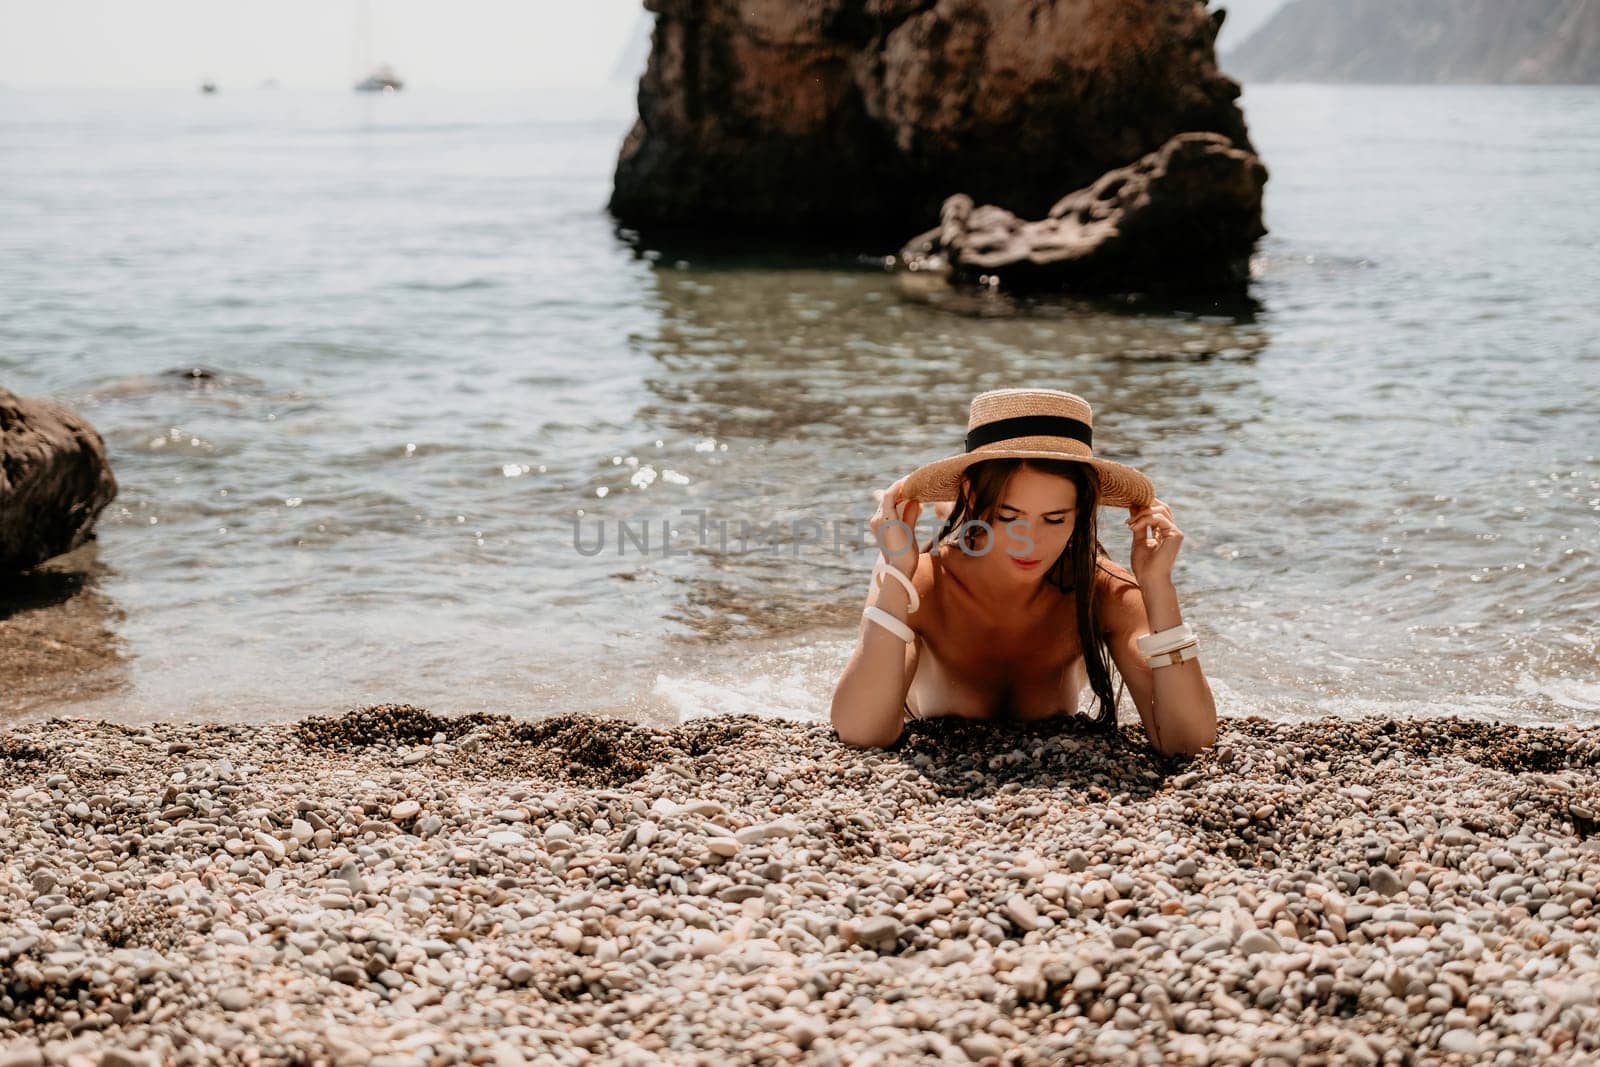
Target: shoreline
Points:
(394, 887)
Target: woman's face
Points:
(1032, 520)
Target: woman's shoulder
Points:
(1112, 575)
(929, 567)
(931, 564)
(1120, 603)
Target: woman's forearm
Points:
(1185, 713)
(867, 700)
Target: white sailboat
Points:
(382, 78)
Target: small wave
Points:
(792, 683)
(396, 130)
(1573, 695)
(449, 287)
(1542, 705)
(194, 378)
(772, 698)
(1278, 261)
(340, 349)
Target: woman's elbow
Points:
(852, 731)
(1189, 741)
(864, 740)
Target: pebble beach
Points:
(393, 887)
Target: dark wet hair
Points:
(1074, 569)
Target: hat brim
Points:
(1121, 486)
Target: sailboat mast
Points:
(363, 38)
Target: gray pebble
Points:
(1384, 881)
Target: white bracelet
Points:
(1165, 640)
(1177, 655)
(890, 623)
(880, 568)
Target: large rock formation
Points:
(1420, 41)
(1180, 220)
(54, 481)
(852, 121)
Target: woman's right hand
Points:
(898, 543)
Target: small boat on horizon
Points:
(381, 80)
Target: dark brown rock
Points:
(54, 481)
(1180, 220)
(851, 121)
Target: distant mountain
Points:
(1244, 18)
(630, 63)
(1424, 41)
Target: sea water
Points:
(428, 352)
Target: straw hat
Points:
(1029, 424)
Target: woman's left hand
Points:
(1154, 561)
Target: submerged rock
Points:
(1181, 219)
(851, 121)
(54, 481)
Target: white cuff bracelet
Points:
(890, 623)
(1166, 640)
(880, 568)
(1177, 655)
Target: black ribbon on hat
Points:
(1029, 426)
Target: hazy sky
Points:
(466, 43)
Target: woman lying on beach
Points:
(988, 622)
